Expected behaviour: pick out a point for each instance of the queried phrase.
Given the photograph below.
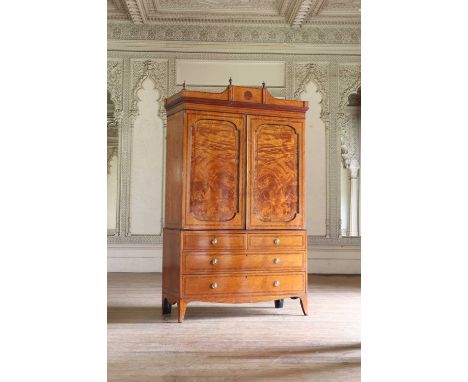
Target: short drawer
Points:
(215, 262)
(239, 285)
(278, 241)
(212, 241)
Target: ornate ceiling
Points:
(293, 13)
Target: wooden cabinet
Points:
(234, 200)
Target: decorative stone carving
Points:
(135, 11)
(349, 83)
(318, 73)
(235, 33)
(345, 154)
(336, 7)
(116, 10)
(114, 86)
(292, 80)
(229, 5)
(111, 152)
(284, 12)
(157, 71)
(315, 8)
(301, 11)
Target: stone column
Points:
(354, 201)
(350, 153)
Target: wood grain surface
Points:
(174, 179)
(243, 285)
(276, 169)
(215, 170)
(214, 181)
(275, 187)
(233, 342)
(195, 262)
(227, 137)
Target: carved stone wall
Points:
(319, 74)
(323, 35)
(158, 72)
(349, 83)
(335, 76)
(115, 86)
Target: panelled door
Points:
(275, 186)
(215, 171)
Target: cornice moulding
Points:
(179, 21)
(221, 47)
(237, 34)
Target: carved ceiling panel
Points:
(293, 13)
(218, 6)
(117, 10)
(346, 8)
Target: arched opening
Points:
(316, 178)
(147, 162)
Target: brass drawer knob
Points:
(276, 241)
(276, 260)
(214, 285)
(214, 241)
(214, 261)
(276, 283)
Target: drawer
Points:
(278, 241)
(215, 262)
(213, 241)
(239, 285)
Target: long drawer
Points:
(238, 285)
(220, 262)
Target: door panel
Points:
(215, 171)
(276, 167)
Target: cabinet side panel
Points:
(174, 170)
(171, 262)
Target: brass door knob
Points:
(214, 285)
(276, 241)
(214, 261)
(214, 241)
(276, 260)
(276, 283)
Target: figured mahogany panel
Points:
(171, 262)
(238, 262)
(276, 169)
(174, 170)
(216, 170)
(214, 285)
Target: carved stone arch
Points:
(354, 99)
(115, 87)
(156, 71)
(317, 73)
(112, 131)
(349, 83)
